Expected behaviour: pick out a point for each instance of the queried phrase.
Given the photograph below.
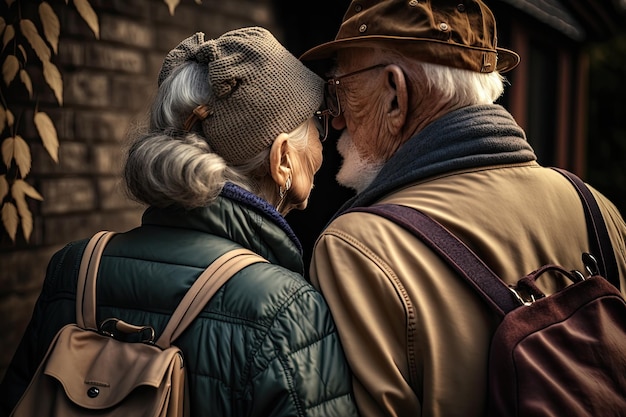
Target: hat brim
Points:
(507, 59)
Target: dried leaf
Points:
(23, 188)
(53, 77)
(16, 148)
(26, 220)
(10, 118)
(9, 69)
(4, 187)
(50, 23)
(3, 118)
(89, 16)
(171, 4)
(48, 134)
(27, 83)
(36, 42)
(9, 34)
(198, 1)
(7, 151)
(10, 219)
(3, 24)
(24, 55)
(19, 191)
(22, 155)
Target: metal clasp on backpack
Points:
(523, 301)
(591, 264)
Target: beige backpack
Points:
(96, 370)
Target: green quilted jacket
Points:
(265, 345)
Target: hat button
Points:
(413, 3)
(443, 27)
(460, 8)
(358, 8)
(362, 28)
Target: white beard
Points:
(355, 172)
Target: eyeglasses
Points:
(333, 105)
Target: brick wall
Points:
(107, 86)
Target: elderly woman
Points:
(231, 147)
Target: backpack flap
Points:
(98, 372)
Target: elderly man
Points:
(413, 89)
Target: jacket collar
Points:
(241, 217)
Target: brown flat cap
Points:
(454, 33)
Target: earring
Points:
(282, 190)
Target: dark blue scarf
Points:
(470, 137)
(234, 192)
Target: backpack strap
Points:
(490, 287)
(493, 290)
(203, 289)
(87, 275)
(599, 239)
(205, 286)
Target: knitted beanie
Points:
(258, 89)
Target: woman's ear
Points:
(397, 99)
(280, 164)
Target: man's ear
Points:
(280, 164)
(397, 99)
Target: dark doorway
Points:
(305, 28)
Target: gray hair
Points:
(166, 165)
(463, 86)
(454, 85)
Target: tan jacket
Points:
(416, 335)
